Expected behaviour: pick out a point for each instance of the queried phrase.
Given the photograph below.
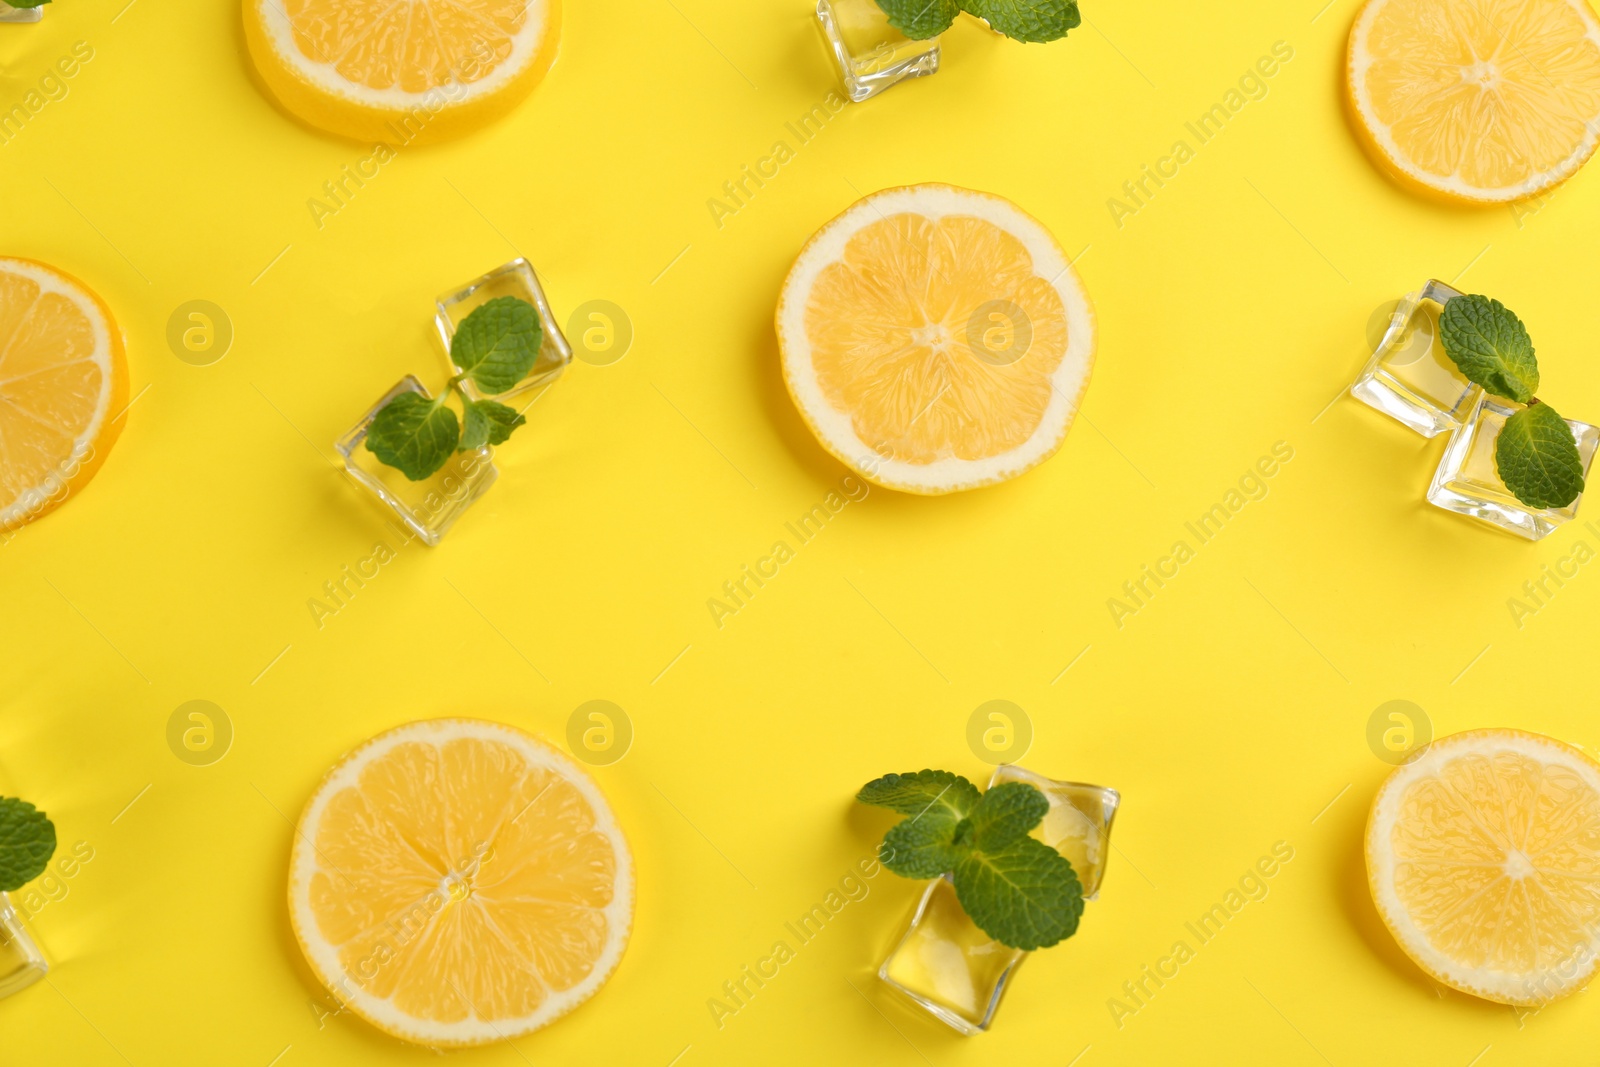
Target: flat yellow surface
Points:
(1231, 709)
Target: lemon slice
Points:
(1478, 100)
(401, 71)
(1483, 853)
(63, 384)
(936, 339)
(456, 882)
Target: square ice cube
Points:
(517, 279)
(1468, 481)
(949, 967)
(871, 54)
(20, 14)
(429, 507)
(1409, 377)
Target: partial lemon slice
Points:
(401, 71)
(1483, 853)
(456, 882)
(936, 339)
(1478, 100)
(63, 386)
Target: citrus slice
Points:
(63, 387)
(456, 882)
(401, 72)
(936, 339)
(1479, 100)
(1483, 853)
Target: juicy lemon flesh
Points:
(1497, 861)
(50, 384)
(889, 326)
(458, 881)
(1493, 92)
(412, 45)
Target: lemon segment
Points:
(401, 71)
(936, 339)
(63, 386)
(1483, 855)
(457, 882)
(1478, 100)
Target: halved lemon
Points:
(1478, 100)
(63, 387)
(936, 339)
(456, 882)
(401, 71)
(1483, 853)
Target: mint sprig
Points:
(27, 841)
(27, 3)
(1018, 890)
(1538, 459)
(494, 347)
(920, 19)
(1535, 454)
(1033, 21)
(1491, 346)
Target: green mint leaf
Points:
(920, 19)
(27, 841)
(923, 848)
(414, 435)
(1034, 21)
(1490, 346)
(1026, 896)
(1005, 814)
(1537, 458)
(488, 423)
(937, 795)
(497, 345)
(27, 3)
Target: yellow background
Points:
(1231, 711)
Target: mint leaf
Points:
(497, 344)
(1034, 21)
(1005, 814)
(920, 19)
(27, 3)
(929, 794)
(1490, 346)
(1537, 458)
(1026, 896)
(487, 423)
(27, 841)
(923, 848)
(414, 435)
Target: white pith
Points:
(324, 76)
(1526, 988)
(834, 427)
(1360, 62)
(50, 282)
(324, 956)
